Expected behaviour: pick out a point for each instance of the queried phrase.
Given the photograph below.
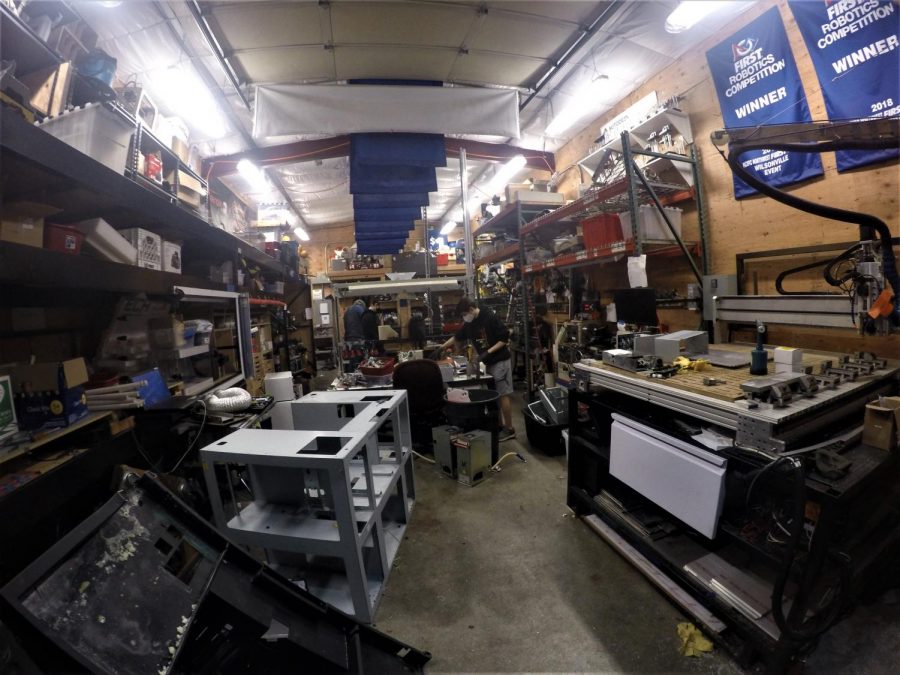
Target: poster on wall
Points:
(757, 83)
(855, 48)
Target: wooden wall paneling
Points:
(755, 223)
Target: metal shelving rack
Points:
(627, 193)
(329, 499)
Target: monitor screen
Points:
(636, 305)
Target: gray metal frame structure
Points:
(329, 501)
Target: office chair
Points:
(421, 378)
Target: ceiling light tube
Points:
(505, 174)
(690, 12)
(448, 227)
(252, 173)
(582, 102)
(189, 97)
(302, 234)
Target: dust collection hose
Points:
(829, 277)
(864, 220)
(809, 629)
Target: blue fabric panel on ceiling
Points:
(397, 150)
(398, 213)
(383, 247)
(390, 201)
(391, 179)
(379, 235)
(385, 225)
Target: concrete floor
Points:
(501, 577)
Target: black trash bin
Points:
(542, 434)
(482, 411)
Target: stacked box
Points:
(148, 245)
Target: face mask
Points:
(468, 318)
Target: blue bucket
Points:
(98, 65)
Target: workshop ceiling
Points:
(509, 44)
(481, 43)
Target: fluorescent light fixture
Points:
(253, 174)
(690, 12)
(448, 227)
(504, 175)
(302, 234)
(189, 97)
(582, 103)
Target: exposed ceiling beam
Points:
(501, 152)
(609, 9)
(273, 155)
(339, 146)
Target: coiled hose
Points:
(823, 620)
(864, 220)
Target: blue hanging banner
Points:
(855, 48)
(757, 83)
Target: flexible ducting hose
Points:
(829, 277)
(234, 399)
(864, 220)
(811, 628)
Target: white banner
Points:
(291, 109)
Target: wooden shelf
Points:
(29, 266)
(510, 252)
(344, 275)
(581, 257)
(651, 248)
(34, 162)
(507, 219)
(43, 438)
(608, 198)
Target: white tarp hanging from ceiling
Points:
(288, 109)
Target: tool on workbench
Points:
(712, 381)
(759, 358)
(684, 363)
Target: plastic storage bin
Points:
(386, 368)
(443, 259)
(651, 224)
(601, 230)
(107, 242)
(542, 434)
(96, 131)
(64, 238)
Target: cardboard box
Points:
(49, 395)
(171, 257)
(182, 149)
(148, 245)
(789, 355)
(882, 422)
(190, 190)
(23, 223)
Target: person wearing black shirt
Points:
(370, 323)
(495, 355)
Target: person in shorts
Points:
(481, 322)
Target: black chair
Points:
(422, 380)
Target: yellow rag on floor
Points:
(693, 642)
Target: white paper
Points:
(611, 312)
(326, 319)
(637, 271)
(317, 294)
(324, 308)
(308, 313)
